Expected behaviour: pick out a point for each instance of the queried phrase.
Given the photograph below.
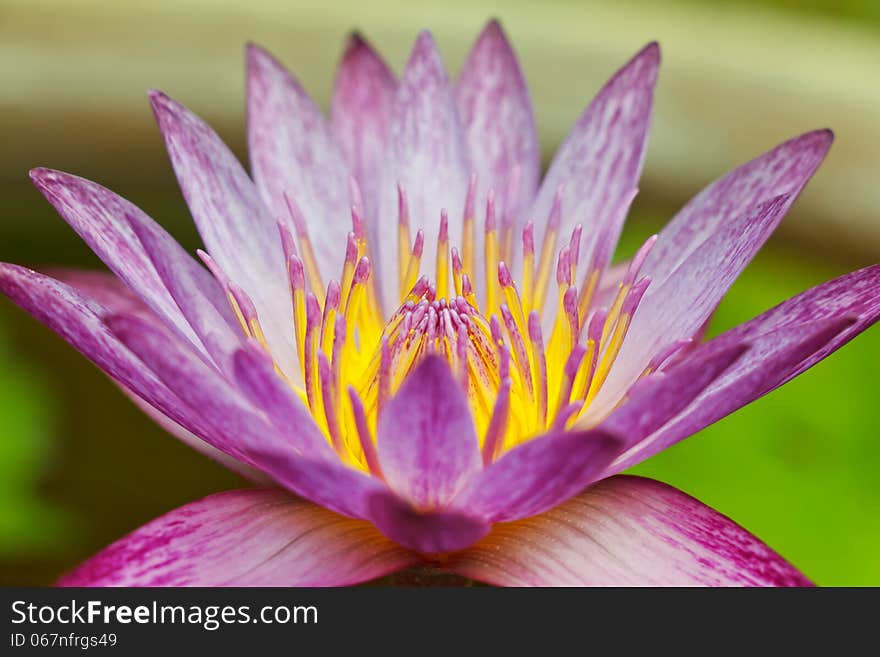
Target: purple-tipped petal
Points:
(104, 221)
(209, 316)
(248, 472)
(626, 531)
(549, 469)
(499, 125)
(679, 307)
(240, 429)
(256, 377)
(113, 295)
(427, 153)
(238, 230)
(245, 538)
(600, 162)
(426, 440)
(293, 152)
(234, 426)
(80, 321)
(785, 169)
(433, 532)
(786, 340)
(710, 241)
(362, 101)
(538, 474)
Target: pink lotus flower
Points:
(420, 347)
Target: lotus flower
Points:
(418, 349)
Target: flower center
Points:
(518, 381)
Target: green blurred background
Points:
(80, 466)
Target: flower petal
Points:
(256, 377)
(103, 220)
(433, 532)
(626, 531)
(113, 295)
(240, 429)
(549, 469)
(210, 315)
(234, 426)
(293, 152)
(785, 169)
(80, 321)
(600, 162)
(786, 340)
(245, 538)
(362, 100)
(426, 441)
(678, 307)
(538, 474)
(499, 124)
(710, 241)
(238, 230)
(427, 154)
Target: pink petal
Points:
(362, 101)
(115, 297)
(238, 230)
(210, 315)
(626, 531)
(256, 377)
(80, 321)
(499, 124)
(103, 220)
(678, 307)
(292, 151)
(432, 532)
(548, 470)
(786, 340)
(538, 475)
(600, 161)
(238, 428)
(703, 249)
(785, 169)
(427, 153)
(248, 472)
(245, 538)
(426, 440)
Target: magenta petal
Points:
(239, 428)
(600, 161)
(499, 125)
(245, 538)
(234, 426)
(678, 307)
(785, 341)
(427, 153)
(431, 532)
(855, 296)
(626, 531)
(103, 220)
(656, 399)
(238, 230)
(293, 152)
(209, 314)
(362, 100)
(426, 440)
(538, 475)
(700, 253)
(784, 170)
(116, 298)
(256, 377)
(80, 321)
(549, 469)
